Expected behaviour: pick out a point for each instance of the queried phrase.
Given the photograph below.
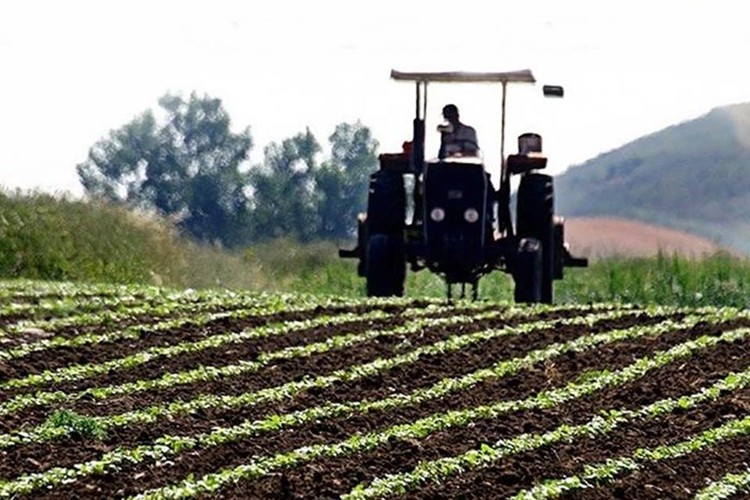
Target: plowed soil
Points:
(331, 477)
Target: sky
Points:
(72, 71)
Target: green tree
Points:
(295, 196)
(284, 189)
(187, 167)
(342, 182)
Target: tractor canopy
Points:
(521, 76)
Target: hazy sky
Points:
(72, 70)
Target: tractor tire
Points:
(386, 203)
(385, 266)
(534, 219)
(527, 272)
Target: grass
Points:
(52, 238)
(717, 279)
(57, 238)
(75, 424)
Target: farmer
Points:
(457, 139)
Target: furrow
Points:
(206, 374)
(167, 446)
(435, 471)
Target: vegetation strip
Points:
(726, 487)
(446, 386)
(36, 288)
(437, 470)
(194, 306)
(249, 305)
(209, 373)
(427, 471)
(600, 473)
(168, 446)
(75, 292)
(68, 307)
(143, 338)
(65, 305)
(79, 372)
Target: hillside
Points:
(694, 176)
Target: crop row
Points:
(39, 303)
(168, 446)
(198, 305)
(135, 332)
(205, 374)
(728, 486)
(34, 289)
(436, 470)
(446, 386)
(78, 372)
(439, 469)
(346, 361)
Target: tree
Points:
(187, 167)
(342, 182)
(295, 196)
(284, 189)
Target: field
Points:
(124, 391)
(602, 237)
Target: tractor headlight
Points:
(437, 214)
(471, 215)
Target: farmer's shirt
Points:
(461, 139)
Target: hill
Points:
(600, 237)
(693, 176)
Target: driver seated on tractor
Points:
(456, 138)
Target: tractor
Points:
(460, 226)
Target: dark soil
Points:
(331, 477)
(658, 480)
(276, 373)
(54, 358)
(402, 456)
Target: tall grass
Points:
(47, 237)
(717, 279)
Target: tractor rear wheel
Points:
(534, 219)
(385, 266)
(527, 272)
(384, 259)
(386, 203)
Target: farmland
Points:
(133, 391)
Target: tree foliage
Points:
(284, 189)
(342, 181)
(187, 167)
(295, 195)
